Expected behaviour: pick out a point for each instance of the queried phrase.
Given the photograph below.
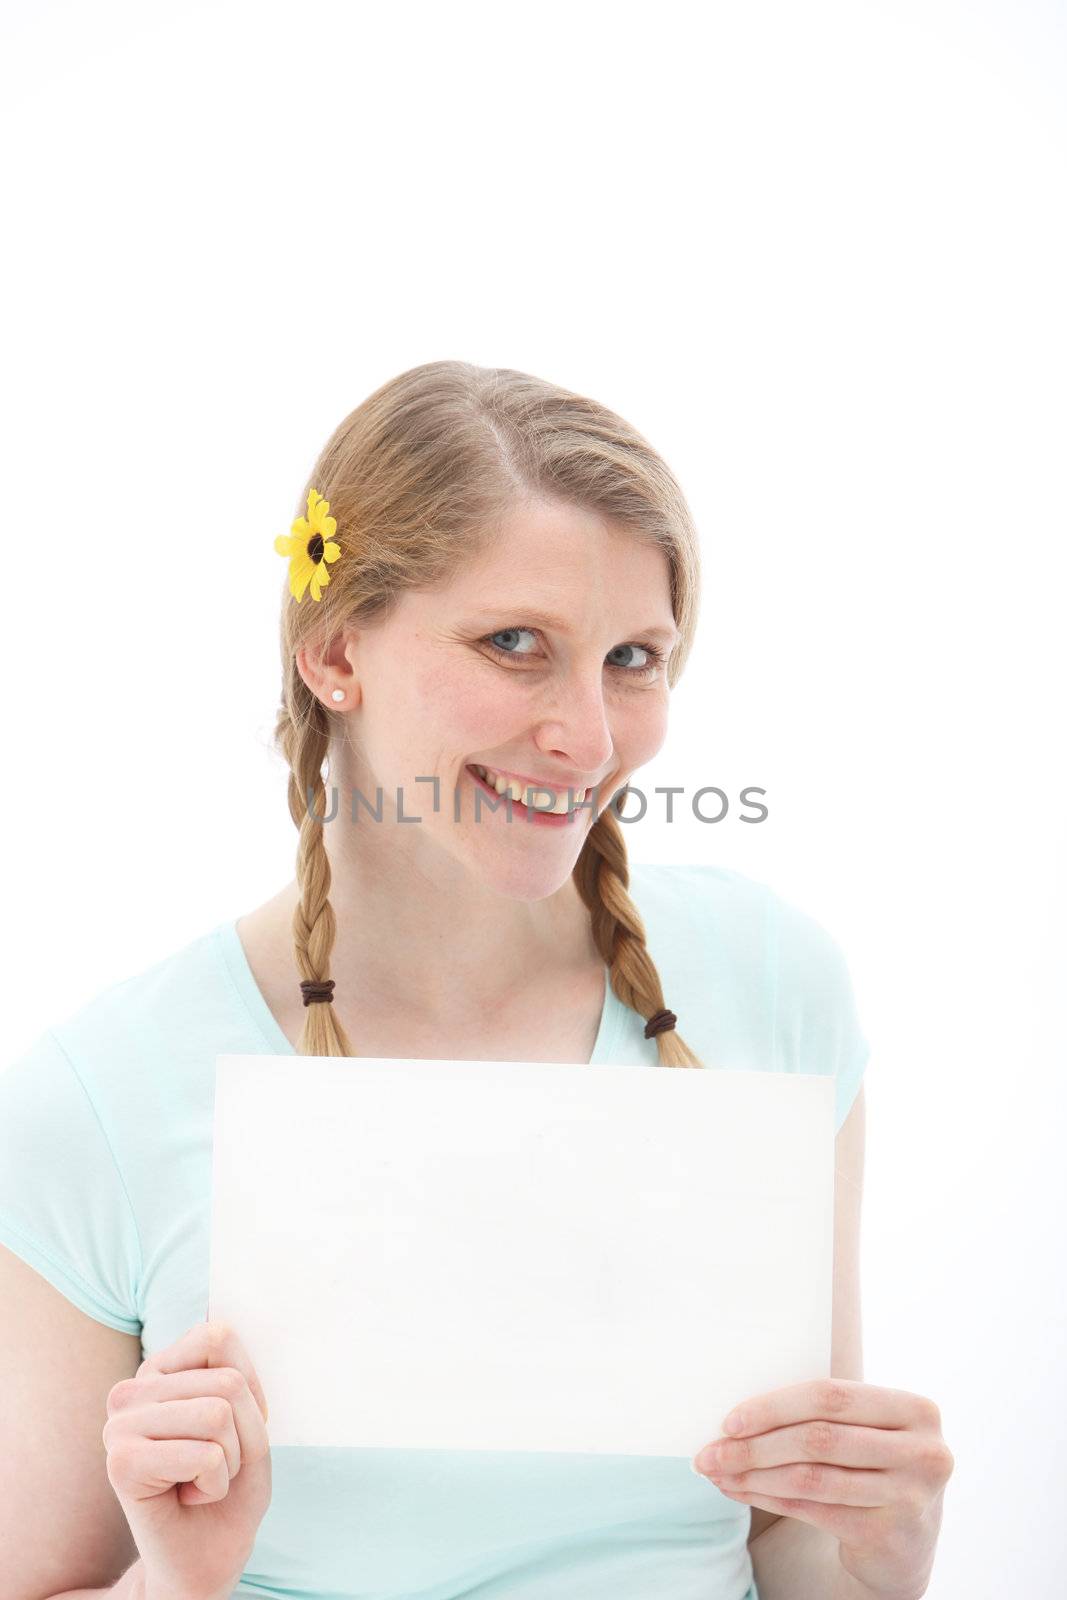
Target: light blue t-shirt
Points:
(105, 1189)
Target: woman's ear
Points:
(330, 673)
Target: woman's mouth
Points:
(548, 804)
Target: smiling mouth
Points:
(561, 801)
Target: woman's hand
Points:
(189, 1460)
(867, 1464)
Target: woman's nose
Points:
(576, 723)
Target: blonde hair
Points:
(418, 477)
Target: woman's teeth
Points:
(518, 791)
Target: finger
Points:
(830, 1399)
(845, 1524)
(206, 1418)
(140, 1469)
(815, 1440)
(813, 1480)
(207, 1344)
(244, 1424)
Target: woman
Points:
(491, 579)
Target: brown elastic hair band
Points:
(312, 989)
(660, 1023)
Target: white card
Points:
(487, 1255)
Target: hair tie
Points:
(312, 989)
(660, 1023)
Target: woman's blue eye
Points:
(655, 656)
(502, 633)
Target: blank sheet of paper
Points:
(484, 1255)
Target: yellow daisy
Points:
(309, 546)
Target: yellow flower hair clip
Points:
(309, 547)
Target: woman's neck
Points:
(442, 960)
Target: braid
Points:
(304, 738)
(602, 876)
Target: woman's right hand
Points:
(189, 1460)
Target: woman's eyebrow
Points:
(545, 619)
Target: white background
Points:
(816, 254)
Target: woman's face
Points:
(570, 697)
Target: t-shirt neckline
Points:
(232, 953)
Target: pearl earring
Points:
(338, 694)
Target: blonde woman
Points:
(491, 580)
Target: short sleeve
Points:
(817, 1025)
(64, 1208)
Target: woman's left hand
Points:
(867, 1464)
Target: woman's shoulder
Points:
(764, 983)
(141, 1025)
(98, 1115)
(703, 895)
(708, 881)
(703, 904)
(715, 923)
(155, 991)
